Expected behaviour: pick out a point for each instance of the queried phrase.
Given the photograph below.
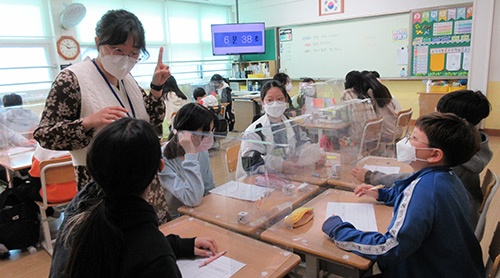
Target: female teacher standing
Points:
(89, 95)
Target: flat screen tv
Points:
(234, 39)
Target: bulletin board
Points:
(441, 40)
(332, 49)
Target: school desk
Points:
(223, 211)
(325, 125)
(346, 181)
(317, 247)
(15, 159)
(314, 174)
(261, 259)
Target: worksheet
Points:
(222, 267)
(383, 169)
(362, 216)
(242, 191)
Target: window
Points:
(26, 51)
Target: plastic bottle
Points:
(428, 86)
(256, 86)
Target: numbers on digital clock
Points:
(238, 39)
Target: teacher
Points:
(89, 95)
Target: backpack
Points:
(19, 222)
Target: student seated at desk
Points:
(473, 107)
(360, 111)
(223, 91)
(16, 117)
(117, 235)
(429, 235)
(187, 175)
(384, 103)
(174, 98)
(201, 97)
(273, 128)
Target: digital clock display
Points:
(238, 39)
(232, 39)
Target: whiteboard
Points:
(332, 49)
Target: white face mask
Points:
(275, 109)
(205, 144)
(407, 153)
(118, 65)
(289, 87)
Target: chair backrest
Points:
(232, 157)
(402, 124)
(492, 266)
(56, 171)
(490, 183)
(372, 132)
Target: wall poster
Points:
(441, 40)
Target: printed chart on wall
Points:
(331, 49)
(441, 40)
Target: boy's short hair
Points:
(458, 139)
(12, 100)
(467, 104)
(199, 92)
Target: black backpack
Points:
(19, 222)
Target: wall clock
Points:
(68, 47)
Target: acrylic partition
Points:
(17, 124)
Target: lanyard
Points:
(114, 93)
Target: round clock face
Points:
(68, 48)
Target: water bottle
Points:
(249, 86)
(256, 86)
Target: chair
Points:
(401, 128)
(493, 262)
(370, 140)
(52, 172)
(232, 157)
(489, 186)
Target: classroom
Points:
(421, 50)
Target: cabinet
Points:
(253, 69)
(427, 102)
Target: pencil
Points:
(213, 258)
(376, 187)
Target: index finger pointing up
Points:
(160, 55)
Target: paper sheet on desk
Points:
(240, 190)
(223, 267)
(383, 169)
(362, 216)
(18, 150)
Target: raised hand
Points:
(162, 73)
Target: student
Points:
(87, 96)
(16, 117)
(222, 89)
(117, 235)
(272, 128)
(201, 97)
(307, 89)
(285, 80)
(360, 111)
(474, 107)
(429, 235)
(384, 104)
(174, 98)
(187, 175)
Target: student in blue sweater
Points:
(429, 235)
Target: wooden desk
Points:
(222, 211)
(317, 246)
(317, 174)
(348, 182)
(15, 162)
(323, 125)
(258, 256)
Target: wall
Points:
(295, 12)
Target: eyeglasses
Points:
(120, 52)
(413, 138)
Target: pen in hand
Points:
(376, 187)
(213, 258)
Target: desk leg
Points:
(9, 179)
(312, 266)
